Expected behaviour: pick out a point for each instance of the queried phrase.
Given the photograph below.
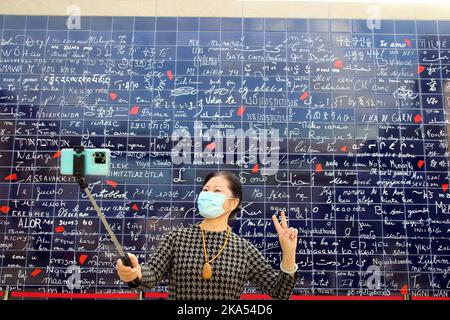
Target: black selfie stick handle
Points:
(78, 172)
(127, 263)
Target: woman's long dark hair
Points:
(234, 184)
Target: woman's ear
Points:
(235, 204)
(232, 204)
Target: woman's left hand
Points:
(286, 235)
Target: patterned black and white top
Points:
(180, 254)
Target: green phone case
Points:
(90, 167)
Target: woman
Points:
(209, 261)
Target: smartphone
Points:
(97, 162)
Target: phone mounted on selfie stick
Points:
(78, 173)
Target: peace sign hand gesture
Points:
(287, 236)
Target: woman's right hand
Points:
(127, 274)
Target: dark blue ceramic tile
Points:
(253, 24)
(209, 24)
(142, 38)
(188, 24)
(15, 22)
(341, 25)
(37, 22)
(37, 34)
(297, 25)
(360, 26)
(166, 24)
(405, 26)
(275, 37)
(144, 23)
(319, 25)
(101, 23)
(206, 37)
(426, 27)
(228, 24)
(79, 34)
(100, 34)
(123, 23)
(444, 27)
(273, 24)
(166, 38)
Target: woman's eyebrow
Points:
(215, 187)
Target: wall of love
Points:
(348, 135)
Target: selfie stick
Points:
(78, 172)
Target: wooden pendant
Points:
(207, 271)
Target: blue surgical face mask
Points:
(210, 204)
